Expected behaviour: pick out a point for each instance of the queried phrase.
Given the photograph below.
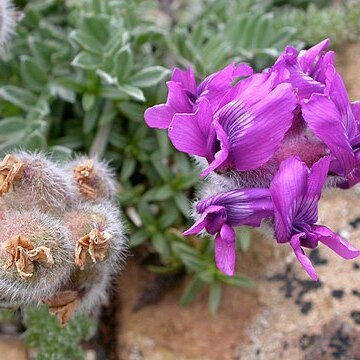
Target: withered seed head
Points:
(22, 252)
(96, 243)
(84, 173)
(11, 169)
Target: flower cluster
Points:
(61, 237)
(268, 143)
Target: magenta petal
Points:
(243, 70)
(186, 78)
(300, 255)
(251, 145)
(338, 94)
(355, 107)
(159, 116)
(324, 120)
(251, 90)
(189, 132)
(287, 189)
(225, 250)
(335, 242)
(222, 155)
(317, 177)
(202, 222)
(243, 206)
(308, 57)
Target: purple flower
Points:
(221, 212)
(184, 94)
(295, 192)
(336, 122)
(306, 71)
(243, 134)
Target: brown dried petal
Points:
(41, 254)
(11, 169)
(63, 305)
(96, 242)
(24, 265)
(84, 173)
(22, 252)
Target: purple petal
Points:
(185, 78)
(335, 242)
(220, 156)
(322, 66)
(160, 116)
(304, 84)
(215, 86)
(248, 130)
(355, 107)
(243, 207)
(243, 70)
(300, 255)
(337, 91)
(307, 58)
(324, 120)
(189, 133)
(287, 189)
(251, 90)
(204, 221)
(225, 250)
(317, 177)
(307, 212)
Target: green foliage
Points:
(339, 23)
(223, 32)
(53, 341)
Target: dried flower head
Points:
(35, 182)
(35, 255)
(94, 179)
(96, 232)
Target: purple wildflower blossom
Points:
(243, 134)
(295, 192)
(220, 213)
(184, 94)
(290, 128)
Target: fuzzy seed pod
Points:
(94, 180)
(8, 18)
(97, 234)
(35, 256)
(30, 180)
